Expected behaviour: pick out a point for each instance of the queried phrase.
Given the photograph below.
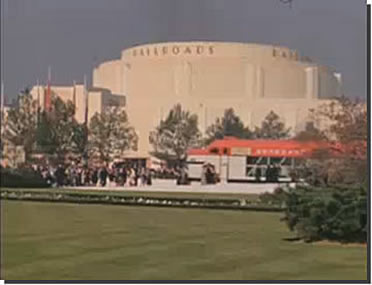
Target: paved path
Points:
(170, 186)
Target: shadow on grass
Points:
(292, 239)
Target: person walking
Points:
(94, 177)
(269, 173)
(60, 175)
(143, 177)
(132, 177)
(203, 179)
(148, 177)
(123, 176)
(257, 174)
(103, 176)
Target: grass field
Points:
(69, 241)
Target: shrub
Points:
(21, 178)
(334, 213)
(277, 198)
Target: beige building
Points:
(208, 77)
(94, 100)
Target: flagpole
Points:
(49, 73)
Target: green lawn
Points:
(69, 241)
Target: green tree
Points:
(333, 204)
(310, 133)
(21, 123)
(45, 141)
(110, 134)
(58, 133)
(330, 213)
(80, 140)
(175, 135)
(272, 128)
(345, 123)
(228, 125)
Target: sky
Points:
(74, 36)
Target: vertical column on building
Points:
(258, 92)
(121, 77)
(260, 80)
(125, 69)
(338, 77)
(250, 88)
(312, 83)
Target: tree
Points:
(58, 132)
(110, 134)
(272, 128)
(331, 213)
(346, 129)
(310, 133)
(80, 140)
(228, 125)
(333, 204)
(346, 121)
(21, 123)
(175, 135)
(45, 141)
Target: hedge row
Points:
(21, 178)
(238, 204)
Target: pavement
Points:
(195, 187)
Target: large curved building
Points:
(208, 77)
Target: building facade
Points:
(87, 102)
(208, 77)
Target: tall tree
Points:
(345, 122)
(175, 135)
(110, 134)
(333, 204)
(57, 130)
(272, 128)
(310, 133)
(21, 123)
(228, 125)
(80, 140)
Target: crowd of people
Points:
(124, 175)
(75, 175)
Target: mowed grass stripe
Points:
(141, 193)
(69, 241)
